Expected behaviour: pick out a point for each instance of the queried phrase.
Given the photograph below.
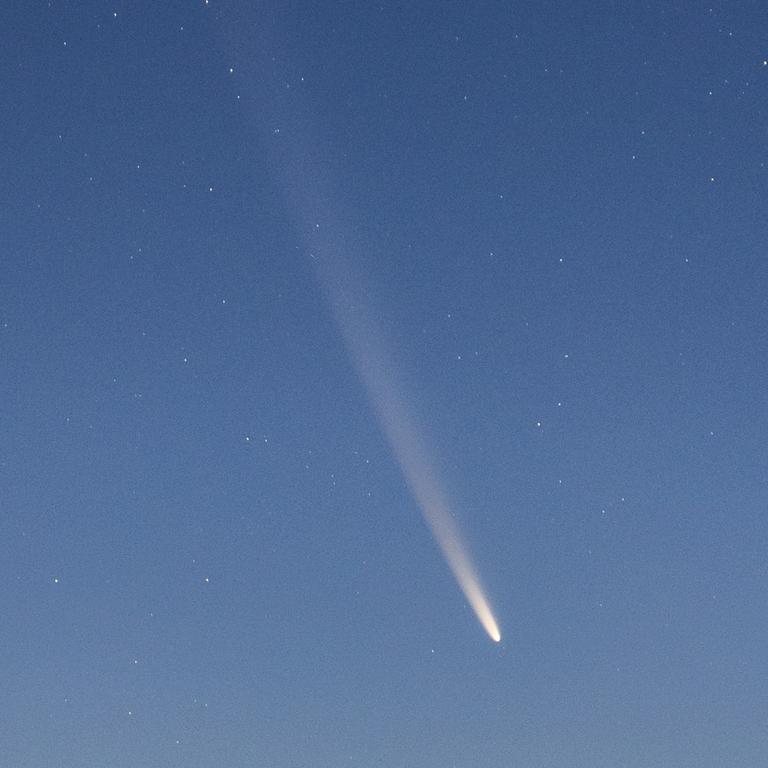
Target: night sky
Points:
(234, 236)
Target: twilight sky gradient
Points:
(546, 222)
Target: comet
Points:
(407, 443)
(333, 247)
(301, 166)
(413, 457)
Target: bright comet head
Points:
(492, 629)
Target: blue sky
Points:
(547, 220)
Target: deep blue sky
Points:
(557, 214)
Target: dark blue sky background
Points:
(209, 554)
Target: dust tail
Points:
(406, 441)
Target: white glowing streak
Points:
(301, 164)
(309, 195)
(411, 454)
